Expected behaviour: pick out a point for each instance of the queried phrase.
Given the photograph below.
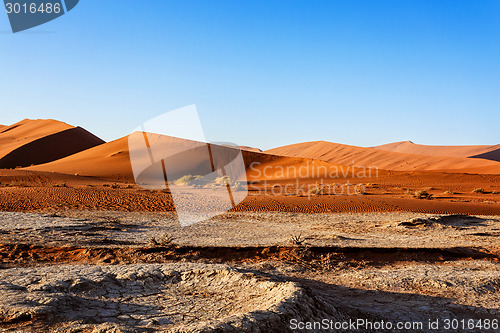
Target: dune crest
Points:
(371, 157)
(40, 141)
(112, 161)
(409, 147)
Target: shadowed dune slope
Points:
(40, 141)
(358, 156)
(409, 147)
(493, 155)
(50, 148)
(112, 161)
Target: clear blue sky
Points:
(265, 73)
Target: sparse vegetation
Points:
(115, 185)
(60, 185)
(190, 180)
(237, 186)
(449, 192)
(479, 190)
(297, 240)
(185, 180)
(423, 194)
(360, 190)
(316, 189)
(226, 180)
(165, 240)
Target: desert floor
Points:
(98, 271)
(452, 193)
(82, 254)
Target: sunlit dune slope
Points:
(112, 161)
(408, 147)
(109, 160)
(358, 156)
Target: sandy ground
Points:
(22, 190)
(361, 230)
(102, 271)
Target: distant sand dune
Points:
(409, 147)
(358, 156)
(112, 161)
(256, 150)
(53, 146)
(40, 141)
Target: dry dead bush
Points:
(423, 194)
(165, 240)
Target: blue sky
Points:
(264, 73)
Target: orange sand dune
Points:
(256, 150)
(409, 147)
(27, 130)
(40, 141)
(112, 161)
(371, 157)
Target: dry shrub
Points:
(423, 194)
(165, 240)
(297, 240)
(316, 189)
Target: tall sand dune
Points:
(112, 161)
(370, 157)
(31, 142)
(409, 147)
